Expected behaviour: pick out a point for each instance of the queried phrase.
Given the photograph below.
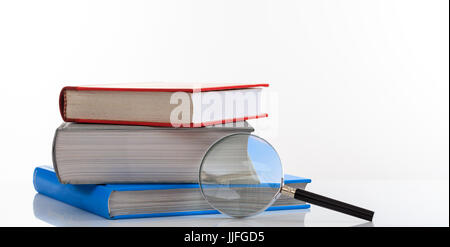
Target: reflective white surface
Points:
(360, 90)
(396, 203)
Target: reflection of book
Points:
(104, 154)
(142, 200)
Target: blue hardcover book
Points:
(120, 201)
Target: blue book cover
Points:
(97, 199)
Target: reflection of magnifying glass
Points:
(241, 175)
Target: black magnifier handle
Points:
(326, 202)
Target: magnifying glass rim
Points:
(275, 196)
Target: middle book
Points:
(106, 154)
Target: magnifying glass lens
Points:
(241, 175)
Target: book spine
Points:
(92, 198)
(62, 102)
(55, 165)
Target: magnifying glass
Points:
(241, 175)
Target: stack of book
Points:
(134, 150)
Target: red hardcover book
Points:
(162, 104)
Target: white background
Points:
(362, 87)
